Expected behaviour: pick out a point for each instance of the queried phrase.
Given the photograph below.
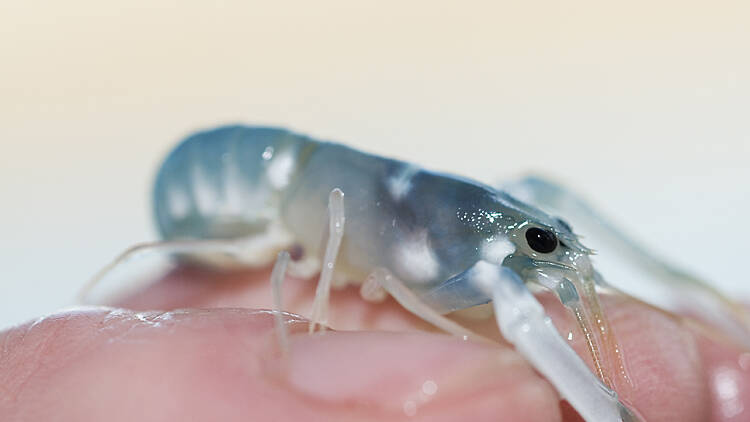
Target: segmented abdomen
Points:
(225, 182)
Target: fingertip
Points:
(223, 364)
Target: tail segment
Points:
(226, 182)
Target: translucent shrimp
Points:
(437, 243)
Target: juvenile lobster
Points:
(437, 243)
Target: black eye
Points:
(542, 241)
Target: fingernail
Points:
(409, 373)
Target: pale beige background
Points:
(641, 105)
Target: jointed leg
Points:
(277, 278)
(251, 251)
(415, 305)
(336, 220)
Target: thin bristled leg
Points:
(607, 338)
(605, 351)
(336, 220)
(586, 322)
(277, 278)
(578, 294)
(413, 304)
(251, 251)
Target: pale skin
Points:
(219, 360)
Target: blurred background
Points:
(641, 106)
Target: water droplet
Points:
(268, 153)
(410, 408)
(429, 387)
(727, 386)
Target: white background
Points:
(642, 106)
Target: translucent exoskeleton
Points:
(437, 243)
